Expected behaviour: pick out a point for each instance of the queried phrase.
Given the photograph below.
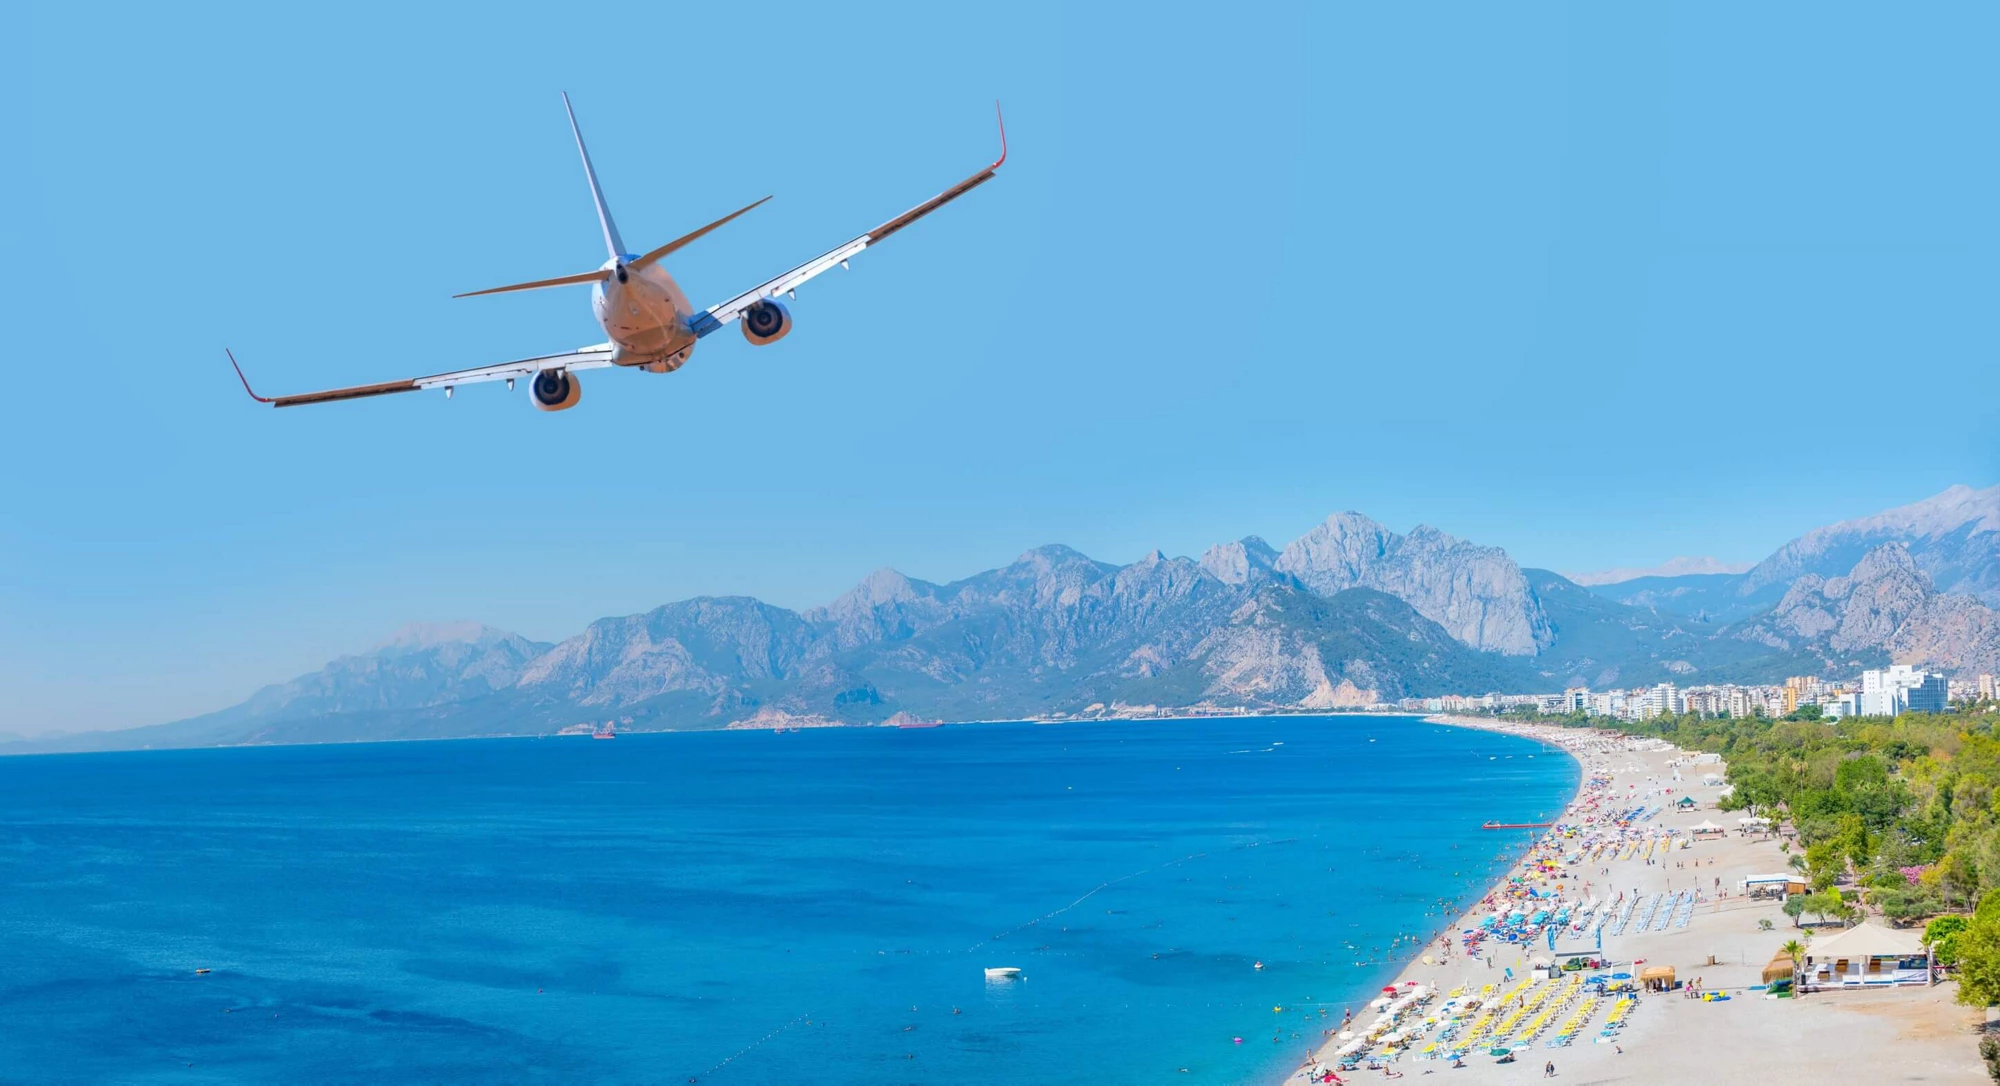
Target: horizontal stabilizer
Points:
(568, 280)
(664, 250)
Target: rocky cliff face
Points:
(1245, 560)
(420, 666)
(1476, 593)
(1953, 537)
(1884, 608)
(703, 645)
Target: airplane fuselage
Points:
(645, 315)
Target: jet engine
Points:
(555, 390)
(766, 322)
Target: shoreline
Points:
(1576, 744)
(738, 727)
(1550, 736)
(733, 726)
(1643, 839)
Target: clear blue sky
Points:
(1598, 286)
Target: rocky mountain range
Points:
(1350, 613)
(1885, 606)
(1953, 537)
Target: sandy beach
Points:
(1904, 1034)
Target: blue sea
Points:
(740, 907)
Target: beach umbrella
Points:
(1621, 976)
(1498, 1051)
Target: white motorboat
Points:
(1004, 972)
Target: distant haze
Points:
(1673, 567)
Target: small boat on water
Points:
(1004, 972)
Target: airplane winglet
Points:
(240, 377)
(1003, 135)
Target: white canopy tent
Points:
(1867, 956)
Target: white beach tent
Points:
(1867, 956)
(1706, 826)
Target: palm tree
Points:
(1794, 950)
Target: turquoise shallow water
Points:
(738, 907)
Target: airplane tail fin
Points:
(611, 239)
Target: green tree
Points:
(1904, 903)
(1941, 935)
(1795, 907)
(1978, 948)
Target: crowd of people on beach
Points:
(1555, 892)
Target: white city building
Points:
(1902, 689)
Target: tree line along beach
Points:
(1644, 873)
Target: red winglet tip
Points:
(998, 116)
(240, 377)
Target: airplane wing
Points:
(718, 317)
(583, 358)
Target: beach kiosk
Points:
(1658, 978)
(1776, 884)
(1685, 803)
(1866, 956)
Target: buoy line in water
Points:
(1078, 901)
(747, 1048)
(1113, 882)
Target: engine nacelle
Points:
(766, 322)
(555, 390)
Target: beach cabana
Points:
(1706, 826)
(1685, 803)
(1866, 956)
(1658, 978)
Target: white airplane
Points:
(648, 319)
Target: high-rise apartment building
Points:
(1902, 689)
